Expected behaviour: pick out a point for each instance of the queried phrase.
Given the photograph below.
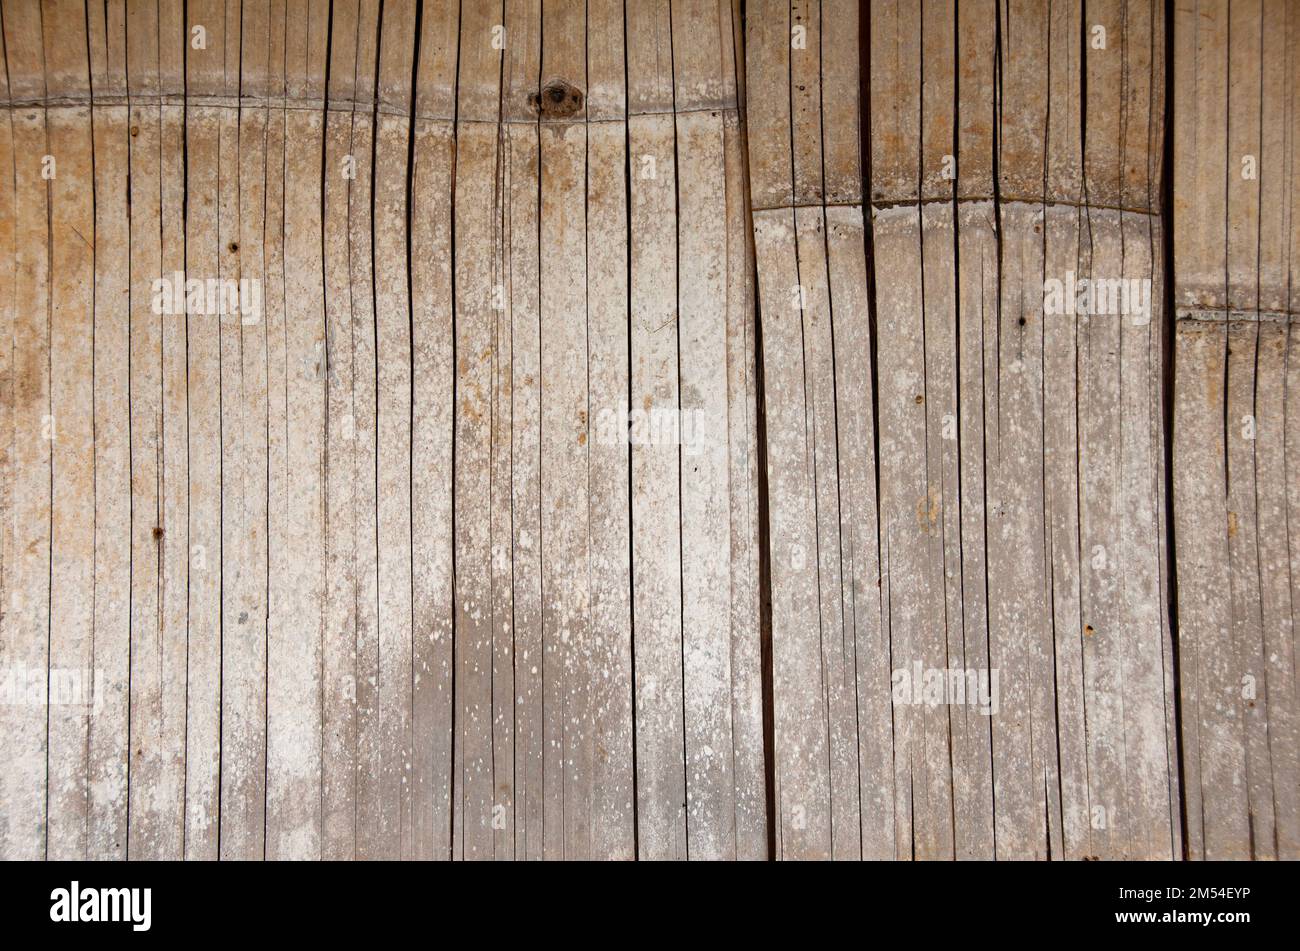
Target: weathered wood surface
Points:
(359, 569)
(1017, 531)
(1236, 260)
(619, 430)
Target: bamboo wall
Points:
(1236, 448)
(577, 428)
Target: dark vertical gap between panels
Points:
(185, 212)
(1047, 810)
(506, 214)
(869, 249)
(984, 408)
(1083, 220)
(803, 349)
(956, 389)
(925, 368)
(1254, 401)
(834, 435)
(631, 515)
(677, 306)
(455, 379)
(541, 385)
(325, 383)
(1082, 214)
(764, 581)
(760, 419)
(1049, 551)
(130, 442)
(352, 403)
(410, 358)
(501, 255)
(1169, 375)
(374, 317)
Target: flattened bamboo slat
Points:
(521, 208)
(613, 781)
(393, 428)
(339, 647)
(29, 446)
(749, 755)
(108, 730)
(563, 476)
(477, 269)
(158, 638)
(656, 484)
(704, 96)
(72, 541)
(431, 437)
(217, 515)
(297, 448)
(367, 810)
(526, 457)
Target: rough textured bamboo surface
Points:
(1236, 450)
(666, 429)
(992, 499)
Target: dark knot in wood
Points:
(557, 100)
